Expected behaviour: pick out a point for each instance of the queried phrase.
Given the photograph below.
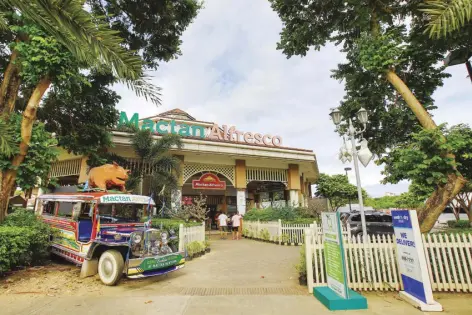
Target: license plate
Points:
(153, 263)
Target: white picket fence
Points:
(278, 232)
(190, 234)
(449, 259)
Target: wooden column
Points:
(83, 176)
(240, 182)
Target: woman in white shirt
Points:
(236, 219)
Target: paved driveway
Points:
(237, 277)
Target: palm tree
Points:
(88, 38)
(154, 154)
(446, 16)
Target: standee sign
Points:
(215, 132)
(334, 254)
(412, 261)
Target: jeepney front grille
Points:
(149, 244)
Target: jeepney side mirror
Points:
(76, 210)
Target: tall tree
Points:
(384, 41)
(155, 158)
(337, 189)
(447, 16)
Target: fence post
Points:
(279, 232)
(181, 237)
(309, 261)
(258, 228)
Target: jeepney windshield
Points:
(120, 212)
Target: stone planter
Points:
(302, 280)
(208, 249)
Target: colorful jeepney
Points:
(105, 234)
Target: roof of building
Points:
(175, 113)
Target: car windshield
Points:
(120, 212)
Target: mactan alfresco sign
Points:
(209, 181)
(214, 132)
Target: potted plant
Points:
(301, 267)
(207, 247)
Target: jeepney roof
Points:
(102, 197)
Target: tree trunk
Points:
(441, 197)
(29, 117)
(469, 216)
(10, 85)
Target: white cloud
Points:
(231, 73)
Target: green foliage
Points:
(447, 16)
(412, 199)
(271, 214)
(301, 266)
(264, 234)
(166, 167)
(396, 32)
(24, 240)
(82, 114)
(195, 247)
(335, 188)
(42, 56)
(6, 138)
(41, 154)
(152, 27)
(425, 159)
(378, 53)
(461, 224)
(173, 224)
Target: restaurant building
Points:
(235, 170)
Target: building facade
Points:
(235, 170)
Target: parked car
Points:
(448, 215)
(377, 223)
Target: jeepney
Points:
(104, 233)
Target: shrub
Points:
(24, 240)
(173, 224)
(271, 214)
(195, 247)
(301, 266)
(461, 224)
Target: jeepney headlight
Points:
(137, 238)
(171, 232)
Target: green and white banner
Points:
(334, 253)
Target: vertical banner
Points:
(411, 258)
(334, 254)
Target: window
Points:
(372, 218)
(65, 209)
(48, 208)
(386, 218)
(120, 213)
(356, 218)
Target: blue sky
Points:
(231, 73)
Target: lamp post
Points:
(364, 154)
(349, 197)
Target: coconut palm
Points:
(446, 16)
(154, 154)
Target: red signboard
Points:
(209, 181)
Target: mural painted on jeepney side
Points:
(66, 239)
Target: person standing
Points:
(236, 219)
(222, 224)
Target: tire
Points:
(110, 267)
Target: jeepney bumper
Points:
(154, 265)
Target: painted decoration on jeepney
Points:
(126, 199)
(153, 263)
(66, 239)
(108, 176)
(209, 181)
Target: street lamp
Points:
(349, 197)
(364, 154)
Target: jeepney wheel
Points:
(110, 267)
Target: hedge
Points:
(24, 240)
(172, 224)
(461, 224)
(286, 214)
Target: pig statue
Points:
(107, 176)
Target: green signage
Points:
(334, 254)
(153, 263)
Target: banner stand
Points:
(412, 262)
(336, 296)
